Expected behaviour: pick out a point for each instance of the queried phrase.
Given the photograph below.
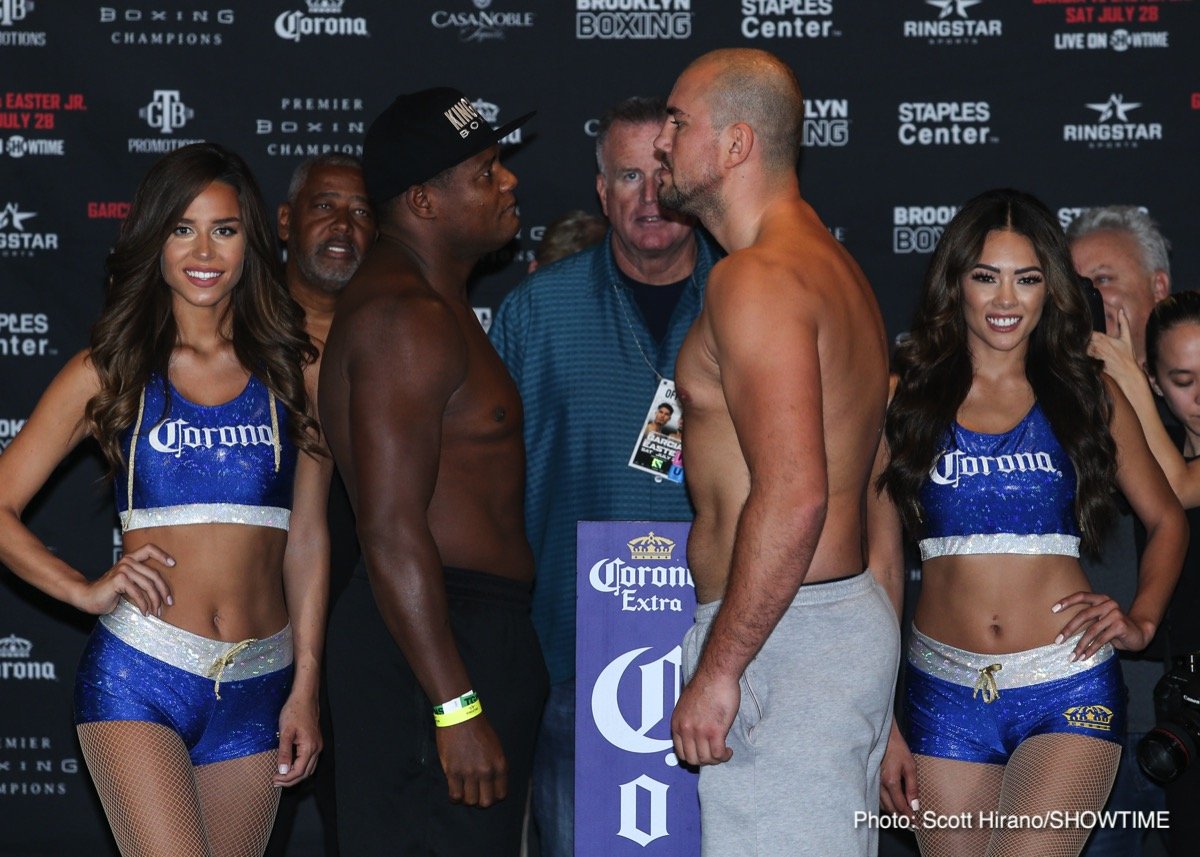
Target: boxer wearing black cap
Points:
(425, 425)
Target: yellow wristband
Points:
(460, 716)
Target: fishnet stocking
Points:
(951, 788)
(1070, 773)
(158, 805)
(1054, 772)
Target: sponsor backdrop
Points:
(636, 600)
(913, 106)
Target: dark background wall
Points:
(914, 106)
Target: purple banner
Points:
(636, 600)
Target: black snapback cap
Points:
(422, 133)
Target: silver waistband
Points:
(195, 654)
(1017, 669)
(207, 513)
(1048, 543)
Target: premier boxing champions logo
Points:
(626, 582)
(166, 27)
(633, 19)
(313, 125)
(953, 25)
(324, 18)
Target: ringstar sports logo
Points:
(1113, 128)
(788, 19)
(952, 25)
(633, 19)
(482, 24)
(16, 239)
(13, 13)
(324, 18)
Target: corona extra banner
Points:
(636, 600)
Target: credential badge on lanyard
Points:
(659, 446)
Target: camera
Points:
(1174, 742)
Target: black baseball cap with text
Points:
(421, 134)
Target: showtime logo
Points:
(17, 146)
(1113, 129)
(1118, 40)
(324, 18)
(952, 25)
(917, 228)
(788, 19)
(826, 122)
(633, 19)
(483, 24)
(944, 123)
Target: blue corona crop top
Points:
(1001, 493)
(207, 464)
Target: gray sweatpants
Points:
(809, 736)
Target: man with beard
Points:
(792, 659)
(327, 226)
(435, 676)
(592, 336)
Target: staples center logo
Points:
(952, 25)
(633, 19)
(944, 123)
(483, 24)
(166, 111)
(324, 18)
(1113, 128)
(788, 19)
(16, 661)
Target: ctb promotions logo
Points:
(166, 113)
(16, 238)
(826, 122)
(482, 24)
(1113, 128)
(12, 14)
(917, 228)
(788, 19)
(633, 19)
(952, 24)
(16, 662)
(324, 18)
(944, 123)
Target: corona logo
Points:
(651, 547)
(325, 7)
(1090, 717)
(653, 794)
(13, 646)
(657, 687)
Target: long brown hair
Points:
(135, 334)
(934, 363)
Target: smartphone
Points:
(1095, 302)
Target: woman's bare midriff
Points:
(997, 603)
(226, 583)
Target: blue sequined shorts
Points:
(222, 699)
(976, 707)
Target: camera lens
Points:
(1165, 752)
